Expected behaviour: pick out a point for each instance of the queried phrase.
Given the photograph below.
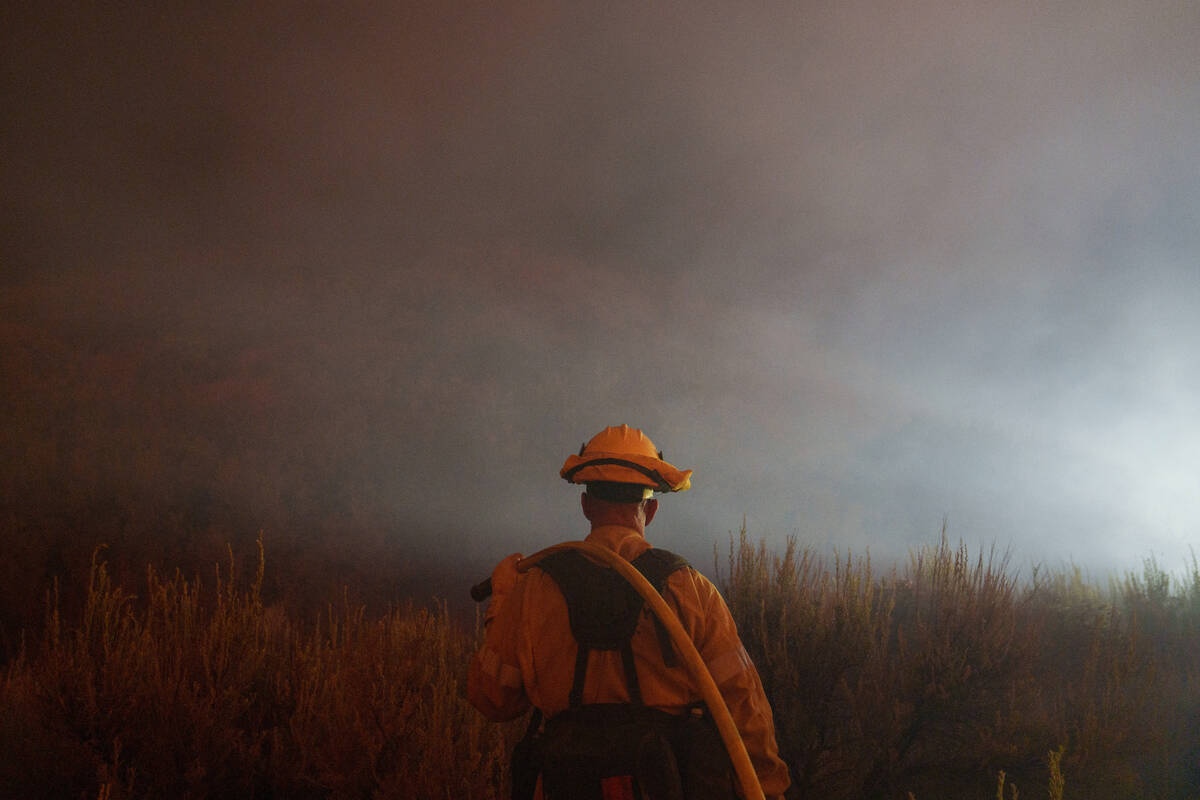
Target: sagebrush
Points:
(946, 677)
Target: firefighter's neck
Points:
(627, 515)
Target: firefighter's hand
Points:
(504, 576)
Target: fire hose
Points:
(751, 789)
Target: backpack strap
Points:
(627, 663)
(631, 678)
(581, 665)
(657, 565)
(604, 610)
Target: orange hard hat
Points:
(621, 454)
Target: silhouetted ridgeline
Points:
(944, 679)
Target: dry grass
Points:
(931, 678)
(178, 694)
(946, 678)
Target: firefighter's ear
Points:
(650, 508)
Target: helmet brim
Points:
(659, 475)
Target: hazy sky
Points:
(862, 266)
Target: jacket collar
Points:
(626, 542)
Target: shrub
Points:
(930, 678)
(946, 677)
(190, 695)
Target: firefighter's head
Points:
(622, 469)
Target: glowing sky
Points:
(862, 266)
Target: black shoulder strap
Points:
(658, 565)
(604, 609)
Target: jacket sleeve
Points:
(494, 684)
(716, 637)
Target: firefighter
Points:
(532, 653)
